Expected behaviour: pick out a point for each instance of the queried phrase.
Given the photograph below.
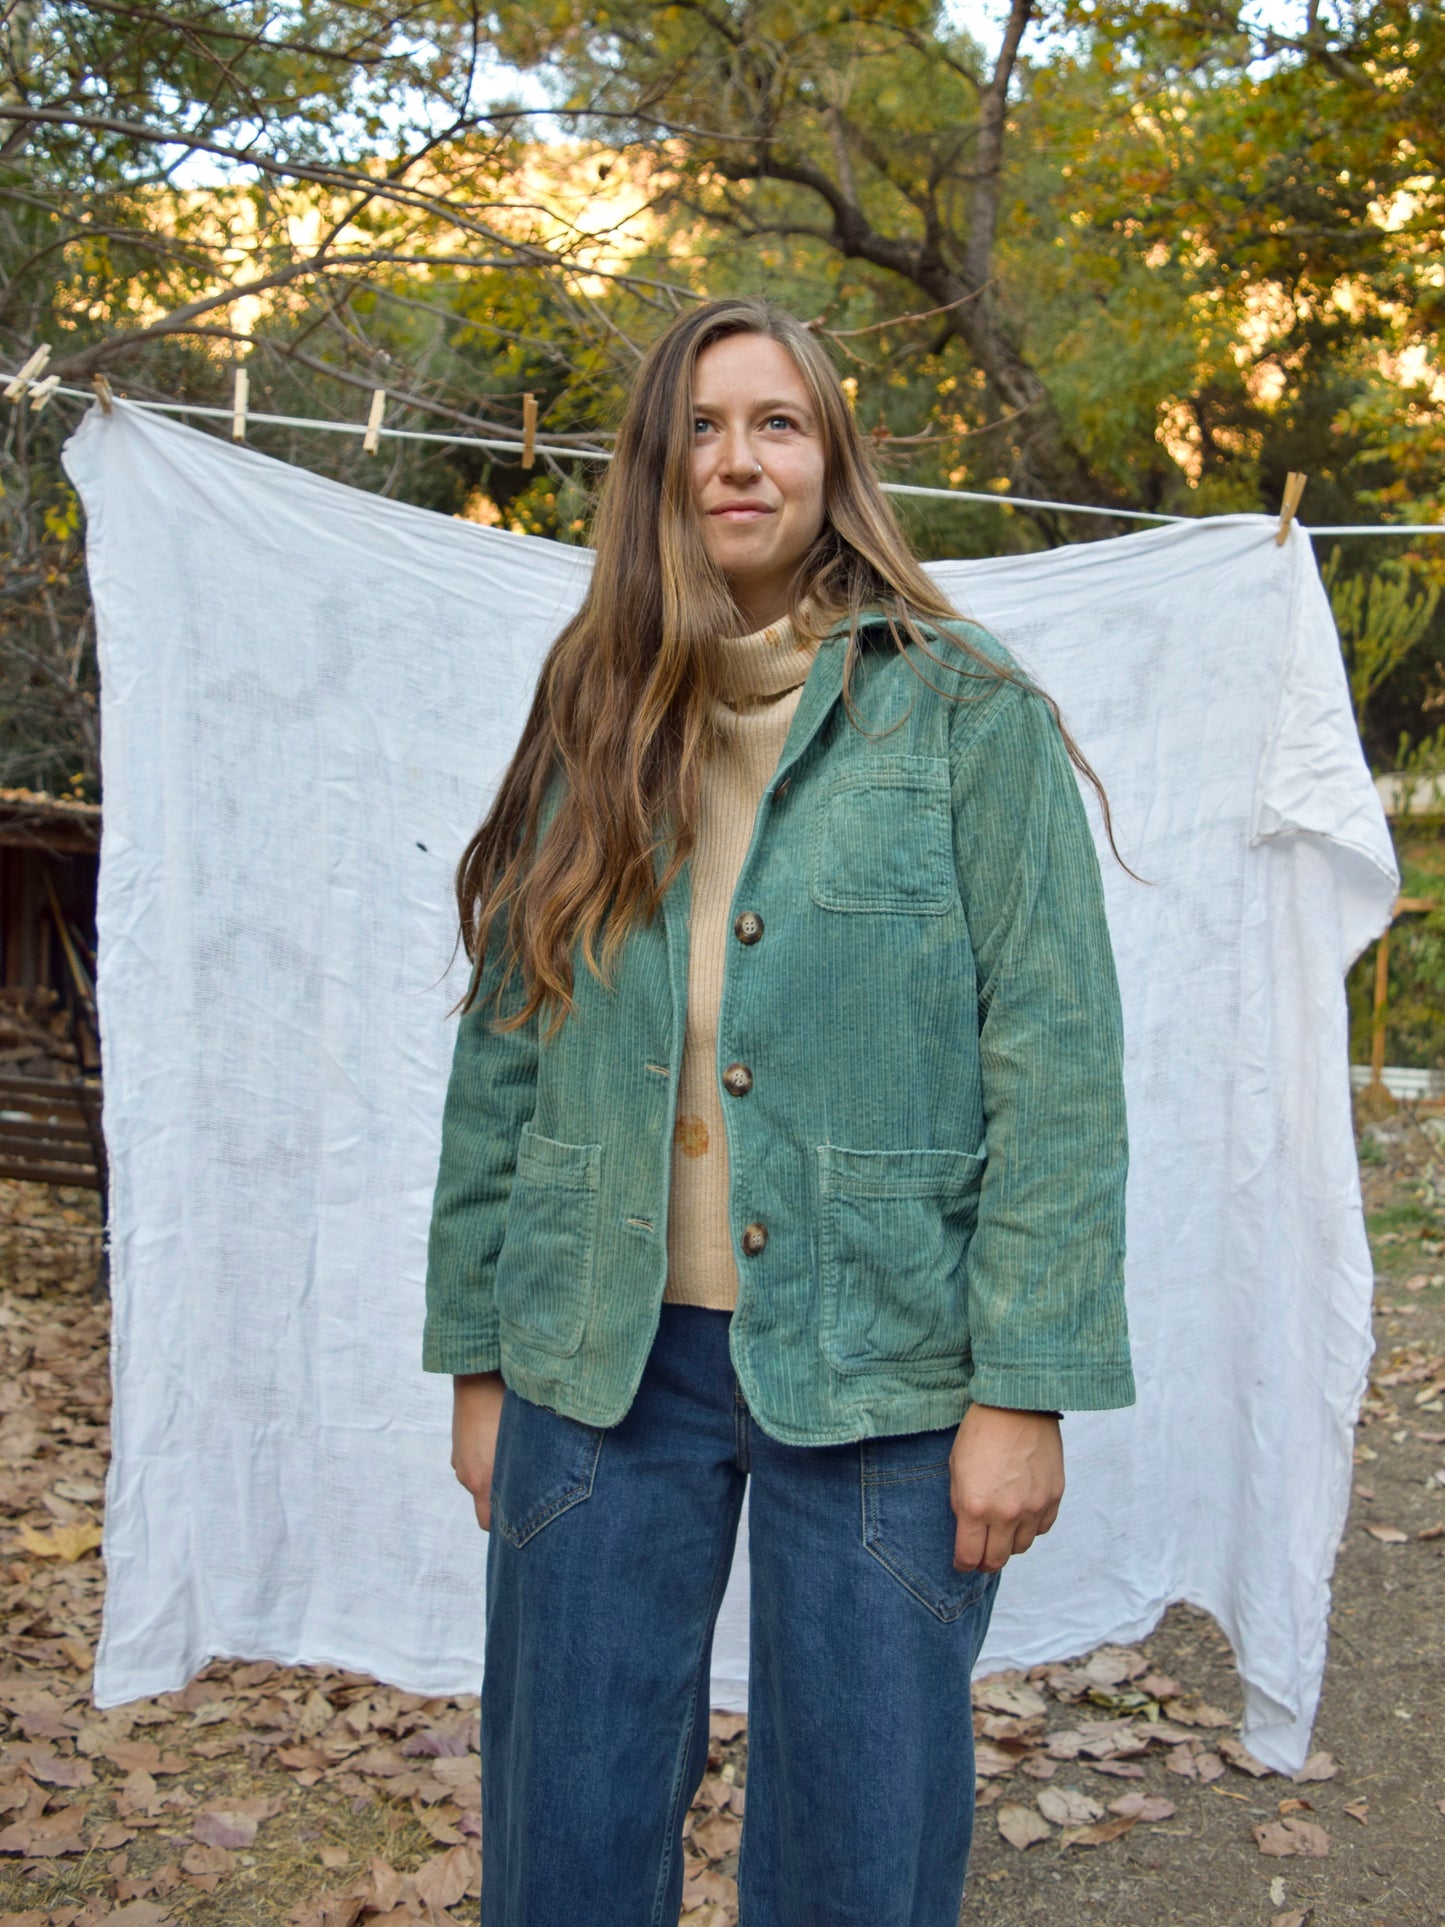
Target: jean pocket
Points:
(544, 1464)
(893, 1235)
(909, 1523)
(882, 839)
(544, 1273)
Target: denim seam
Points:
(912, 1582)
(904, 1478)
(523, 1530)
(720, 1579)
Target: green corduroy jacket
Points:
(927, 1156)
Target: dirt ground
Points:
(1112, 1790)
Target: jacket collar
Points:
(821, 690)
(823, 687)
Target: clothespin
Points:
(103, 393)
(238, 404)
(370, 440)
(41, 391)
(529, 430)
(27, 374)
(1294, 488)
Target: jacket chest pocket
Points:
(544, 1273)
(882, 839)
(893, 1235)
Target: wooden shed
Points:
(49, 1041)
(49, 862)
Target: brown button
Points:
(738, 1079)
(755, 1236)
(749, 927)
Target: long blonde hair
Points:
(620, 719)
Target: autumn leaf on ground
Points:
(51, 1770)
(1388, 1535)
(143, 1756)
(1358, 1810)
(1113, 1665)
(205, 1866)
(66, 1543)
(140, 1913)
(46, 1838)
(1283, 1838)
(1021, 1826)
(718, 1834)
(1190, 1712)
(1009, 1696)
(446, 1877)
(1319, 1766)
(1160, 1686)
(1296, 1917)
(1100, 1835)
(706, 1886)
(1067, 1807)
(234, 1825)
(1143, 1806)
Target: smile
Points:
(740, 511)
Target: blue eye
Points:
(785, 420)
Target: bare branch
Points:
(898, 321)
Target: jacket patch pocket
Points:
(893, 1235)
(882, 839)
(909, 1524)
(544, 1273)
(545, 1464)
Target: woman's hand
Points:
(476, 1414)
(1006, 1478)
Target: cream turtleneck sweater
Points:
(762, 678)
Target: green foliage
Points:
(1204, 253)
(1382, 618)
(1415, 1019)
(1420, 775)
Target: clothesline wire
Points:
(569, 453)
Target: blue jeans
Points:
(606, 1565)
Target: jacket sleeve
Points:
(1046, 1264)
(491, 1094)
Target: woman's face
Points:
(757, 469)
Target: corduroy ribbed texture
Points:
(762, 678)
(926, 1179)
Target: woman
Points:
(786, 903)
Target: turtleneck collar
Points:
(767, 663)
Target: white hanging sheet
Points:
(308, 694)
